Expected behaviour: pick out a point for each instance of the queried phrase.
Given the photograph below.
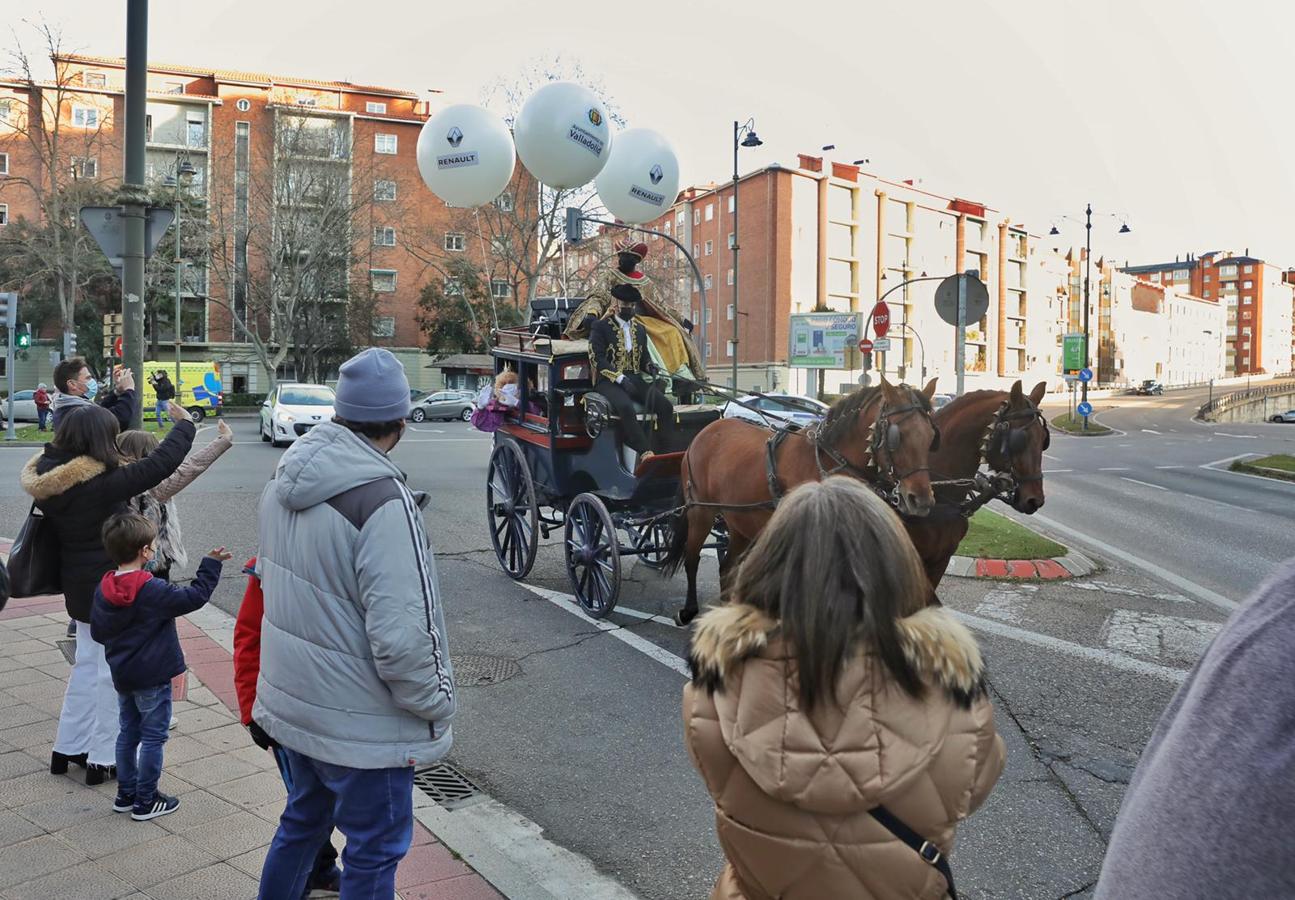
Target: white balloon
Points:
(562, 134)
(465, 155)
(641, 180)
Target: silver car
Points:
(24, 406)
(442, 405)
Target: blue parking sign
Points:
(1085, 409)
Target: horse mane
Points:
(843, 415)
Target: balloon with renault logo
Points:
(562, 134)
(465, 155)
(641, 180)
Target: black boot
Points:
(97, 774)
(58, 762)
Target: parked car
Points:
(1149, 386)
(777, 408)
(941, 400)
(292, 409)
(24, 406)
(1288, 416)
(443, 405)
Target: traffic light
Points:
(22, 338)
(9, 309)
(573, 230)
(69, 344)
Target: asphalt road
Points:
(585, 739)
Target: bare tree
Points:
(293, 239)
(59, 170)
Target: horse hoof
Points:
(684, 616)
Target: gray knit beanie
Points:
(372, 387)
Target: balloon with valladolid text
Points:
(641, 180)
(465, 155)
(562, 134)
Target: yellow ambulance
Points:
(200, 389)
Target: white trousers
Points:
(90, 716)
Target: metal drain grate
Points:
(68, 647)
(481, 669)
(447, 786)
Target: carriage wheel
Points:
(652, 540)
(512, 511)
(593, 556)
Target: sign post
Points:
(961, 299)
(9, 306)
(1085, 408)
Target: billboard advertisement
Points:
(825, 340)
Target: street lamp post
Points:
(183, 170)
(750, 140)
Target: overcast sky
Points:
(1174, 113)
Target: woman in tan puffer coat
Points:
(826, 690)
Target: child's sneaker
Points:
(123, 803)
(161, 806)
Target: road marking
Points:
(1051, 457)
(1188, 587)
(1144, 483)
(1149, 431)
(1171, 467)
(1105, 587)
(1115, 469)
(1007, 604)
(1155, 635)
(568, 603)
(1112, 658)
(1226, 434)
(1219, 462)
(1056, 471)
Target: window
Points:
(707, 315)
(384, 143)
(500, 289)
(696, 250)
(680, 218)
(384, 280)
(1247, 284)
(709, 282)
(1207, 292)
(1246, 330)
(96, 79)
(710, 247)
(4, 163)
(454, 241)
(1208, 278)
(710, 211)
(1227, 271)
(1155, 276)
(372, 107)
(453, 287)
(732, 203)
(85, 167)
(384, 191)
(1182, 274)
(696, 216)
(499, 246)
(505, 201)
(384, 326)
(4, 213)
(85, 117)
(307, 101)
(6, 109)
(1246, 314)
(693, 318)
(708, 349)
(667, 228)
(148, 128)
(732, 240)
(730, 276)
(195, 130)
(384, 236)
(728, 349)
(173, 87)
(243, 104)
(695, 287)
(1245, 301)
(1248, 269)
(729, 315)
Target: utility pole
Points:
(1088, 272)
(133, 197)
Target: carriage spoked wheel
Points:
(511, 508)
(593, 555)
(651, 539)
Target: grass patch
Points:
(1075, 425)
(1279, 466)
(992, 536)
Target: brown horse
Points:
(883, 435)
(1004, 430)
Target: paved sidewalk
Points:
(60, 839)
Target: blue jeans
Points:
(145, 720)
(160, 409)
(374, 808)
(42, 416)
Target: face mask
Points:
(91, 388)
(151, 565)
(627, 313)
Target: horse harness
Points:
(1006, 440)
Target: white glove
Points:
(620, 378)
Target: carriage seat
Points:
(561, 347)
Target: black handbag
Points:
(34, 559)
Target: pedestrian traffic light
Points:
(22, 338)
(573, 230)
(9, 308)
(69, 344)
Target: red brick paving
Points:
(991, 568)
(1050, 569)
(1021, 568)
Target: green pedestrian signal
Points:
(22, 340)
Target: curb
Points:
(1073, 565)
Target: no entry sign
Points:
(880, 319)
(865, 345)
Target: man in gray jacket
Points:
(355, 680)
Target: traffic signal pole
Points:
(133, 197)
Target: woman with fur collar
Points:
(827, 700)
(80, 481)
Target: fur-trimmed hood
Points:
(842, 757)
(57, 477)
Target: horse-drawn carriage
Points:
(557, 465)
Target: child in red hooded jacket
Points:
(326, 878)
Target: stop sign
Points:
(880, 319)
(116, 347)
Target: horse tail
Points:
(674, 557)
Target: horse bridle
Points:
(886, 434)
(1008, 441)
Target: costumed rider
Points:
(625, 372)
(670, 342)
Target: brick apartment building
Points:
(1258, 297)
(225, 124)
